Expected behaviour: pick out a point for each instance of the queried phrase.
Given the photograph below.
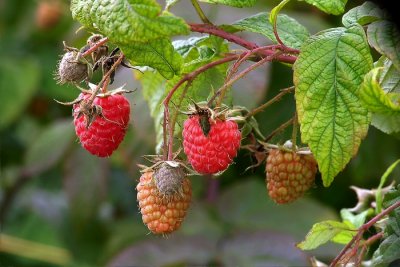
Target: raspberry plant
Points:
(345, 79)
(339, 92)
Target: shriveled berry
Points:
(162, 215)
(169, 177)
(71, 69)
(212, 151)
(289, 175)
(102, 127)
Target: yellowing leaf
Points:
(327, 76)
(373, 96)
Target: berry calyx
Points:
(289, 175)
(162, 215)
(101, 126)
(210, 145)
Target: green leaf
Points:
(18, 83)
(390, 77)
(234, 3)
(323, 232)
(126, 21)
(138, 27)
(170, 3)
(356, 220)
(373, 96)
(378, 195)
(334, 7)
(367, 13)
(390, 83)
(387, 252)
(158, 54)
(49, 147)
(327, 76)
(389, 124)
(275, 11)
(291, 32)
(385, 38)
(80, 10)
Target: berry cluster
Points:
(211, 141)
(100, 119)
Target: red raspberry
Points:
(102, 128)
(160, 213)
(212, 152)
(289, 175)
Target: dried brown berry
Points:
(72, 69)
(169, 177)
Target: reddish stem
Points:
(214, 30)
(362, 229)
(94, 47)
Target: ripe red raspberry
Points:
(101, 127)
(162, 214)
(289, 175)
(213, 150)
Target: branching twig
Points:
(270, 102)
(105, 78)
(221, 92)
(211, 29)
(279, 129)
(361, 231)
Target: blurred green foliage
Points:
(54, 193)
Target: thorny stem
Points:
(245, 56)
(361, 231)
(270, 102)
(211, 29)
(188, 77)
(200, 12)
(94, 47)
(278, 39)
(105, 78)
(279, 129)
(222, 91)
